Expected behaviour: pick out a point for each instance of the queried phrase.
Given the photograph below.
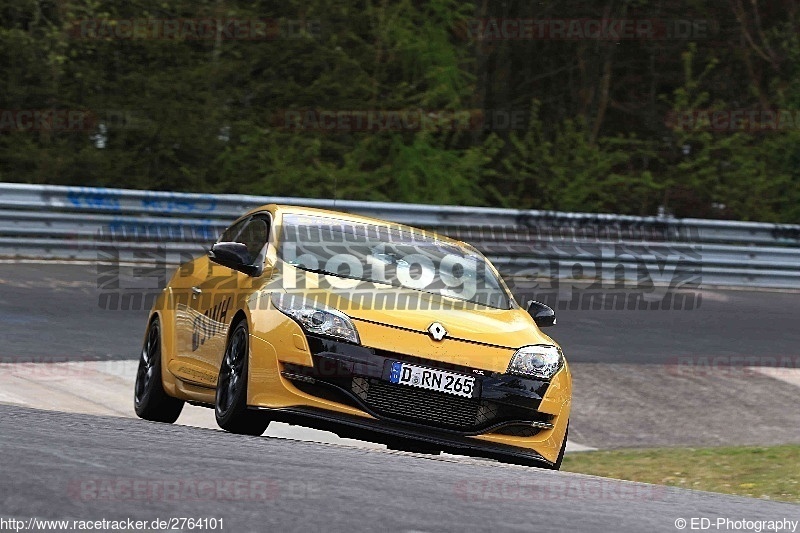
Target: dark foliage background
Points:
(595, 132)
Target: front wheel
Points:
(150, 401)
(230, 405)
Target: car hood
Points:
(505, 328)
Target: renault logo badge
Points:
(437, 331)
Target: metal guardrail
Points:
(98, 224)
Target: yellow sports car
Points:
(366, 328)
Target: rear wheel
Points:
(150, 401)
(230, 405)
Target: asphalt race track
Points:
(60, 309)
(62, 465)
(80, 467)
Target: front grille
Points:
(424, 406)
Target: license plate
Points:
(432, 379)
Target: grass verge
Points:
(771, 472)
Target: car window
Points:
(230, 234)
(390, 255)
(254, 235)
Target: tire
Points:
(150, 401)
(230, 403)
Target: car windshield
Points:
(390, 255)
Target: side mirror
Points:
(543, 315)
(232, 255)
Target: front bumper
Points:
(390, 433)
(358, 376)
(504, 419)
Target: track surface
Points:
(57, 465)
(52, 312)
(53, 464)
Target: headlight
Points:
(316, 318)
(540, 361)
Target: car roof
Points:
(348, 217)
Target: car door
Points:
(213, 300)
